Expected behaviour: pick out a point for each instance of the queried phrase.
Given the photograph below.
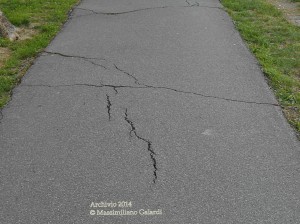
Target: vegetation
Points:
(276, 44)
(39, 21)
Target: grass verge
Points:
(276, 44)
(39, 21)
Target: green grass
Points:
(45, 17)
(276, 44)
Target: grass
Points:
(276, 44)
(43, 18)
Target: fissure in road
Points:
(108, 106)
(189, 5)
(140, 84)
(149, 144)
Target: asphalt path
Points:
(154, 103)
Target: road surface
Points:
(156, 104)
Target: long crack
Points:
(143, 9)
(87, 59)
(115, 87)
(149, 145)
(108, 106)
(117, 13)
(141, 85)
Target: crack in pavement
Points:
(73, 56)
(152, 87)
(136, 81)
(116, 13)
(108, 106)
(141, 85)
(149, 144)
(143, 9)
(210, 96)
(88, 59)
(116, 91)
(189, 4)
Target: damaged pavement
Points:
(155, 102)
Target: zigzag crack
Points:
(149, 145)
(108, 106)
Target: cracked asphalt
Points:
(158, 102)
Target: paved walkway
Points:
(157, 102)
